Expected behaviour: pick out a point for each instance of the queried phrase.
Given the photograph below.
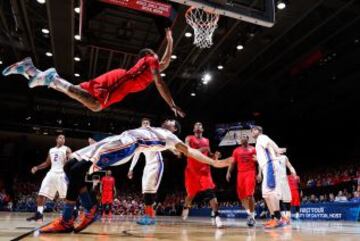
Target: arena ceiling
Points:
(302, 70)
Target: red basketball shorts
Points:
(112, 87)
(246, 184)
(107, 198)
(195, 182)
(295, 197)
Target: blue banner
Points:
(225, 212)
(349, 211)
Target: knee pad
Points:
(208, 194)
(149, 199)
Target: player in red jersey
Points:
(294, 183)
(109, 88)
(244, 157)
(198, 178)
(108, 191)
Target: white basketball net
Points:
(204, 24)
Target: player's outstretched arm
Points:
(291, 168)
(165, 93)
(43, 165)
(68, 154)
(166, 58)
(133, 164)
(230, 168)
(190, 152)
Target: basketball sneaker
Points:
(44, 78)
(218, 222)
(185, 213)
(146, 220)
(37, 216)
(22, 67)
(273, 223)
(283, 222)
(86, 219)
(58, 226)
(251, 222)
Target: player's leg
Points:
(51, 79)
(24, 67)
(151, 180)
(210, 194)
(76, 171)
(285, 201)
(39, 213)
(245, 190)
(270, 195)
(47, 190)
(187, 205)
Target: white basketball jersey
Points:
(282, 166)
(58, 158)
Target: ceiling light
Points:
(281, 5)
(220, 67)
(206, 77)
(193, 94)
(41, 1)
(77, 59)
(173, 56)
(1, 62)
(77, 10)
(45, 31)
(162, 74)
(239, 47)
(188, 34)
(77, 75)
(77, 37)
(48, 54)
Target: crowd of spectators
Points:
(337, 185)
(331, 177)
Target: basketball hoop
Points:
(204, 24)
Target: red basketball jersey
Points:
(244, 158)
(141, 72)
(107, 185)
(193, 164)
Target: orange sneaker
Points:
(86, 219)
(267, 222)
(273, 223)
(58, 226)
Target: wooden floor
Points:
(14, 227)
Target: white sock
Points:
(296, 215)
(60, 84)
(40, 209)
(252, 214)
(248, 212)
(283, 213)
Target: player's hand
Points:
(178, 111)
(130, 174)
(228, 176)
(34, 169)
(220, 164)
(258, 178)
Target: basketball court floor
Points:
(14, 227)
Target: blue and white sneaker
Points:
(20, 67)
(146, 220)
(251, 221)
(43, 78)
